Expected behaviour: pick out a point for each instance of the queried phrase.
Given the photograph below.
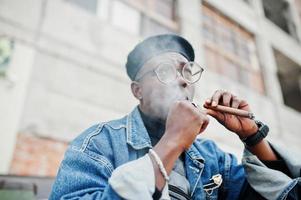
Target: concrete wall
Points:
(283, 121)
(70, 69)
(13, 90)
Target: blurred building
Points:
(62, 67)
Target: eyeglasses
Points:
(166, 72)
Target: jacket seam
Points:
(128, 129)
(288, 189)
(227, 170)
(115, 128)
(103, 160)
(87, 139)
(99, 158)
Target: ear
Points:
(136, 90)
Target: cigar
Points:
(233, 111)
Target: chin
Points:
(164, 113)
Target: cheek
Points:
(154, 94)
(157, 99)
(191, 91)
(151, 92)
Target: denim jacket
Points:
(101, 150)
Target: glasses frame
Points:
(177, 73)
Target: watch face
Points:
(6, 50)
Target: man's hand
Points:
(242, 126)
(184, 123)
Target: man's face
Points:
(157, 97)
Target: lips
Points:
(183, 99)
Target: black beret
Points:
(156, 45)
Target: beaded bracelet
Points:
(160, 164)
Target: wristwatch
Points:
(258, 136)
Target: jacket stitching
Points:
(288, 189)
(128, 132)
(103, 160)
(87, 139)
(227, 169)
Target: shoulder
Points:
(99, 133)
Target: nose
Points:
(183, 83)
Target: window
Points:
(6, 50)
(230, 50)
(289, 75)
(122, 13)
(226, 37)
(280, 14)
(298, 5)
(150, 27)
(138, 17)
(103, 9)
(89, 5)
(247, 1)
(166, 8)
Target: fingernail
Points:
(214, 103)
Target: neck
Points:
(154, 126)
(151, 115)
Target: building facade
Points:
(62, 67)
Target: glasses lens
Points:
(192, 72)
(166, 72)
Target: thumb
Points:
(204, 126)
(212, 113)
(216, 114)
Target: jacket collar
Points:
(136, 133)
(195, 155)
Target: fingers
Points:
(225, 98)
(212, 113)
(216, 114)
(208, 101)
(243, 105)
(204, 120)
(201, 117)
(216, 97)
(204, 124)
(192, 107)
(235, 102)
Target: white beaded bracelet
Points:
(160, 164)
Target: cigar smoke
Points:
(160, 98)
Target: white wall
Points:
(71, 74)
(13, 90)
